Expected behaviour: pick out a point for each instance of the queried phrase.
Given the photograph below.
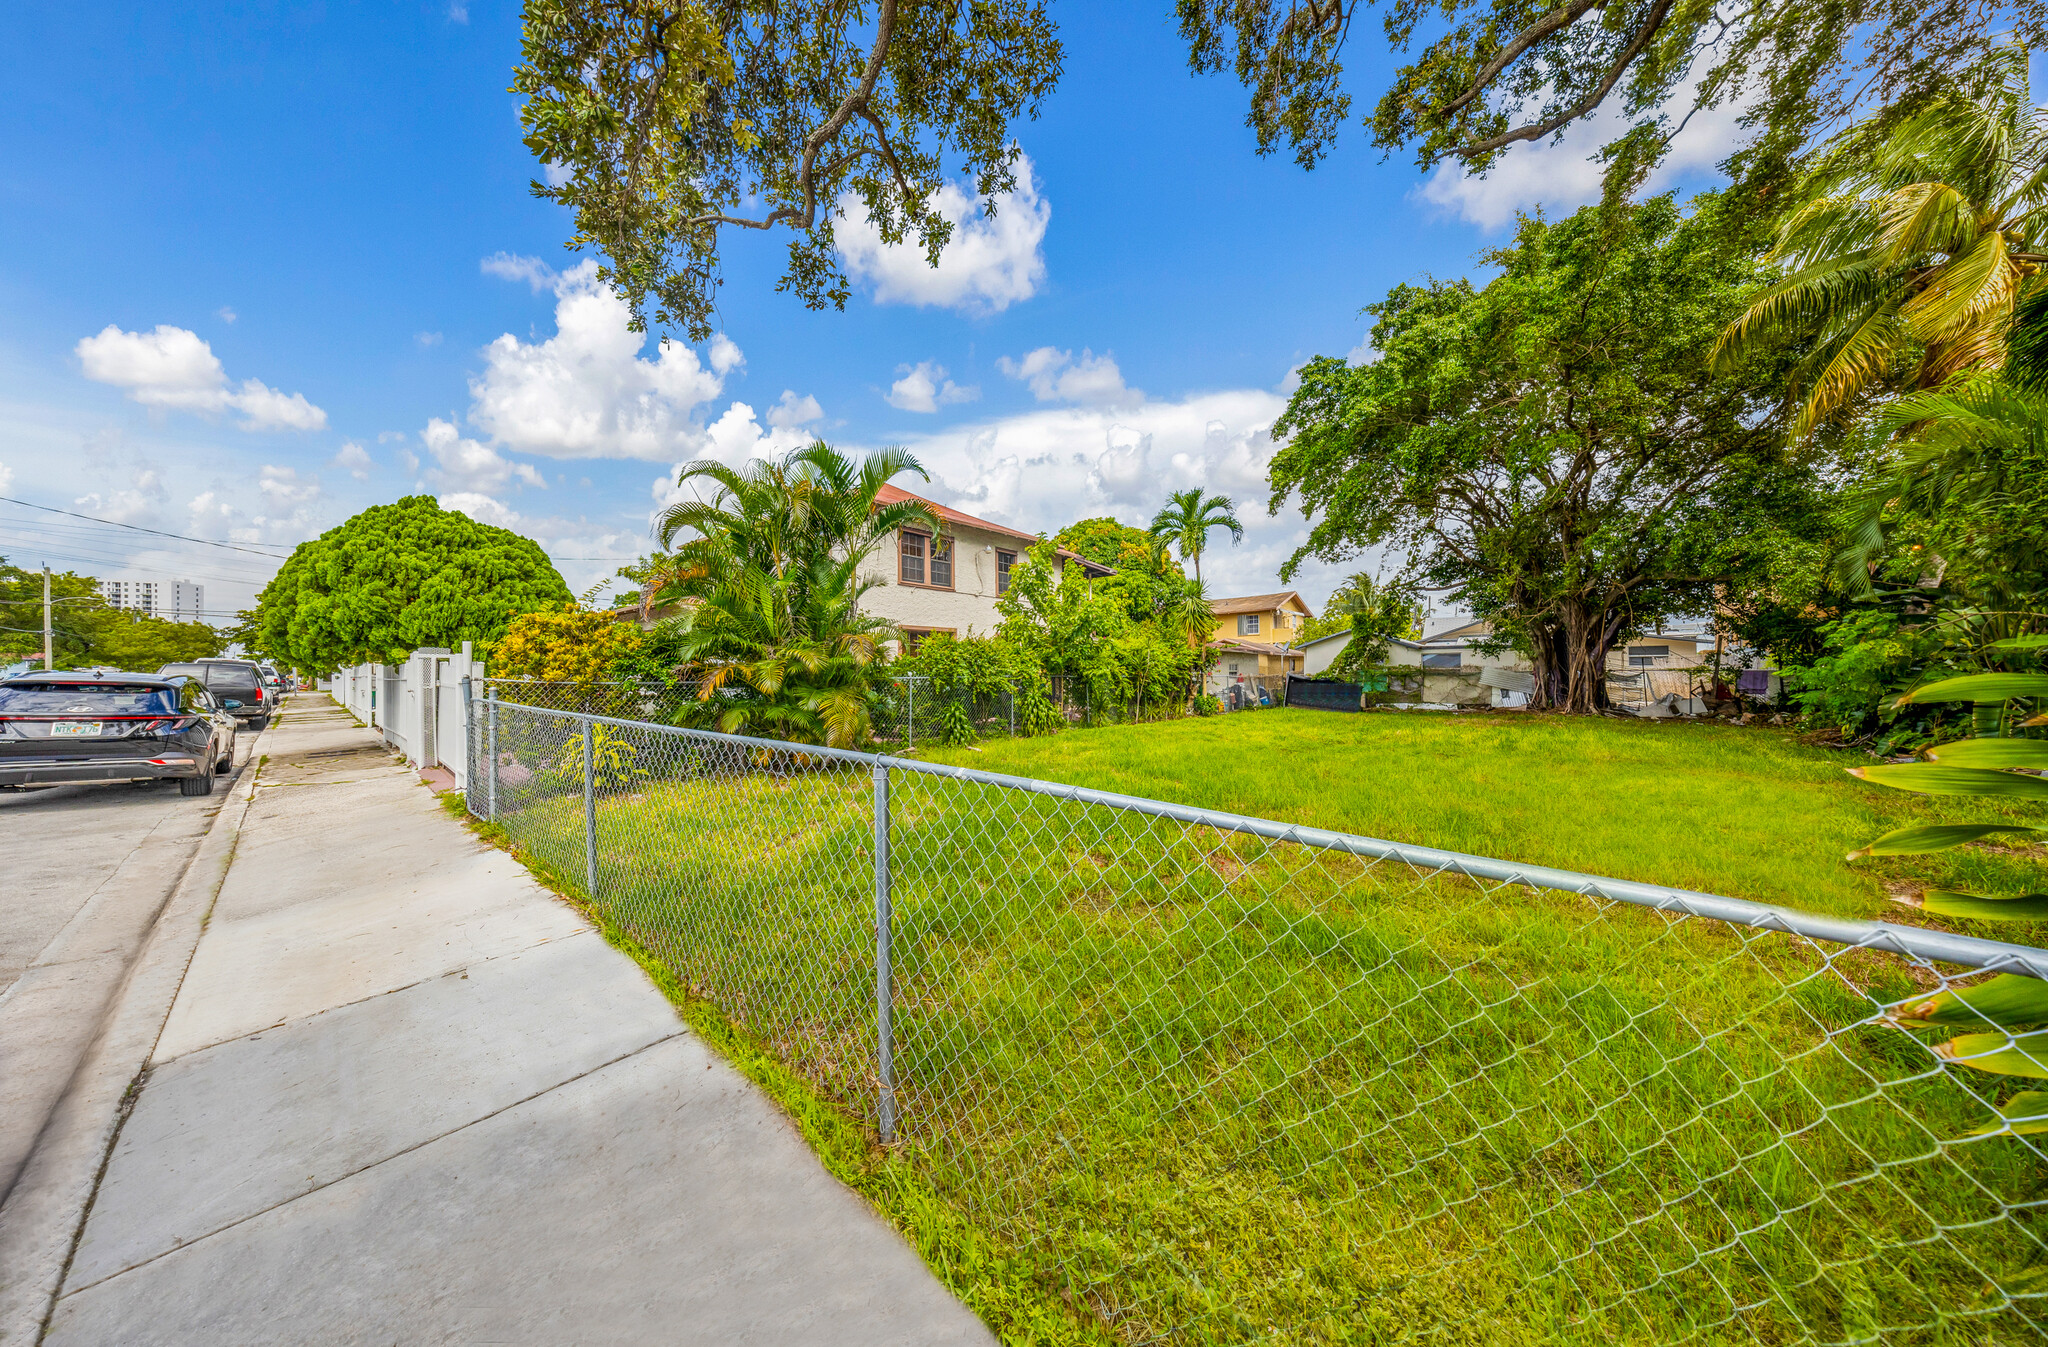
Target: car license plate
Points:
(74, 729)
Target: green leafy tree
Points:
(1365, 593)
(86, 630)
(1378, 612)
(1188, 518)
(397, 577)
(1553, 447)
(1082, 632)
(771, 629)
(676, 120)
(1107, 542)
(1491, 73)
(1913, 240)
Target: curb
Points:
(45, 1215)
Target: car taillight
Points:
(259, 692)
(163, 726)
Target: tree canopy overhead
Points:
(1495, 72)
(1554, 446)
(668, 123)
(397, 577)
(678, 119)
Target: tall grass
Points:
(1230, 1090)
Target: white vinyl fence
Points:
(417, 704)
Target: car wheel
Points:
(260, 724)
(197, 785)
(227, 759)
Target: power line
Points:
(114, 523)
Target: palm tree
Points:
(773, 634)
(1974, 452)
(1915, 235)
(1188, 519)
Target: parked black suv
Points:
(237, 684)
(59, 727)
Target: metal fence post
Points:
(885, 1065)
(468, 746)
(910, 717)
(589, 814)
(491, 744)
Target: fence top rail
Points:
(1910, 941)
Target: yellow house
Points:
(1254, 638)
(1273, 620)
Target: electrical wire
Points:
(114, 523)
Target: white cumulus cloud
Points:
(586, 392)
(993, 260)
(283, 488)
(1054, 375)
(1045, 468)
(924, 387)
(518, 267)
(464, 465)
(355, 459)
(793, 411)
(6, 477)
(483, 509)
(174, 369)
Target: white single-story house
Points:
(949, 583)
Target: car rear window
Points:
(88, 699)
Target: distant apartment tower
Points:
(179, 600)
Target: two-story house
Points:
(948, 582)
(1255, 635)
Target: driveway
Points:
(88, 867)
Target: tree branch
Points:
(855, 102)
(1522, 41)
(1658, 13)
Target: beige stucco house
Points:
(948, 583)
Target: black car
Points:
(237, 684)
(60, 727)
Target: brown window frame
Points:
(928, 558)
(914, 636)
(1005, 559)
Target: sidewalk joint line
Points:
(682, 1031)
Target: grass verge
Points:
(1221, 1089)
(999, 1286)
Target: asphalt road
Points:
(84, 870)
(64, 843)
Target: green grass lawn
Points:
(1745, 812)
(1214, 1089)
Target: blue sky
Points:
(271, 264)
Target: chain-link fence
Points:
(661, 703)
(1222, 1079)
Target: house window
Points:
(911, 570)
(942, 563)
(913, 637)
(1248, 625)
(1648, 656)
(1453, 660)
(1233, 671)
(1004, 560)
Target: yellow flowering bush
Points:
(566, 644)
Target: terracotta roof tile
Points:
(889, 495)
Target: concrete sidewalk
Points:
(405, 1095)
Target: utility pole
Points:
(49, 654)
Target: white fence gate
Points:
(417, 704)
